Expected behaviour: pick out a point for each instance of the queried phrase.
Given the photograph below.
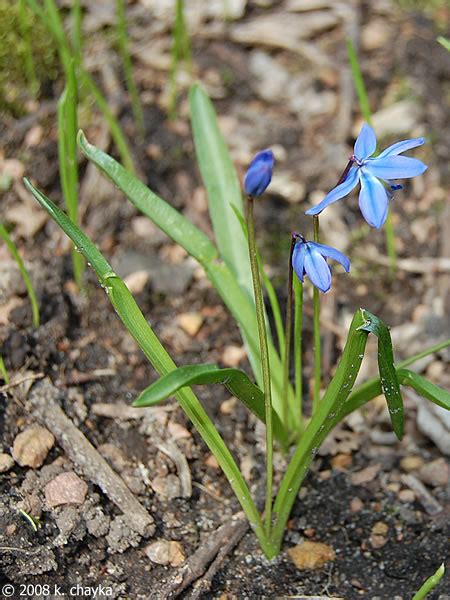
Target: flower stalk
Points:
(265, 367)
(316, 329)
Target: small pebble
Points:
(411, 463)
(6, 462)
(436, 473)
(165, 552)
(168, 487)
(341, 462)
(378, 534)
(232, 355)
(66, 488)
(406, 496)
(177, 431)
(31, 447)
(190, 322)
(137, 281)
(356, 504)
(311, 555)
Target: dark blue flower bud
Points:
(259, 173)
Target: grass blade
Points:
(388, 374)
(429, 585)
(26, 278)
(222, 185)
(122, 37)
(137, 325)
(236, 381)
(67, 152)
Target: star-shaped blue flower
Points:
(375, 175)
(259, 173)
(310, 258)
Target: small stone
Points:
(411, 463)
(137, 281)
(435, 473)
(232, 355)
(168, 487)
(365, 475)
(31, 447)
(6, 462)
(211, 461)
(177, 431)
(341, 461)
(311, 555)
(356, 504)
(190, 322)
(227, 406)
(165, 552)
(309, 532)
(66, 488)
(375, 35)
(406, 496)
(378, 534)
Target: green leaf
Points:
(388, 375)
(444, 42)
(24, 273)
(196, 243)
(135, 322)
(222, 185)
(425, 388)
(167, 218)
(429, 585)
(236, 381)
(321, 424)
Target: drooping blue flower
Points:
(310, 258)
(375, 175)
(259, 173)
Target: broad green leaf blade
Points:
(388, 375)
(321, 424)
(195, 242)
(236, 381)
(222, 185)
(444, 42)
(167, 218)
(135, 322)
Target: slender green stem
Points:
(24, 25)
(274, 305)
(298, 323)
(430, 584)
(181, 51)
(26, 278)
(364, 106)
(77, 36)
(424, 353)
(265, 367)
(3, 371)
(287, 336)
(122, 36)
(316, 331)
(390, 243)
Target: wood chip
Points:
(365, 475)
(311, 555)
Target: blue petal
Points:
(395, 167)
(329, 252)
(298, 259)
(401, 147)
(259, 173)
(338, 192)
(366, 143)
(373, 200)
(317, 269)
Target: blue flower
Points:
(375, 175)
(310, 258)
(259, 173)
